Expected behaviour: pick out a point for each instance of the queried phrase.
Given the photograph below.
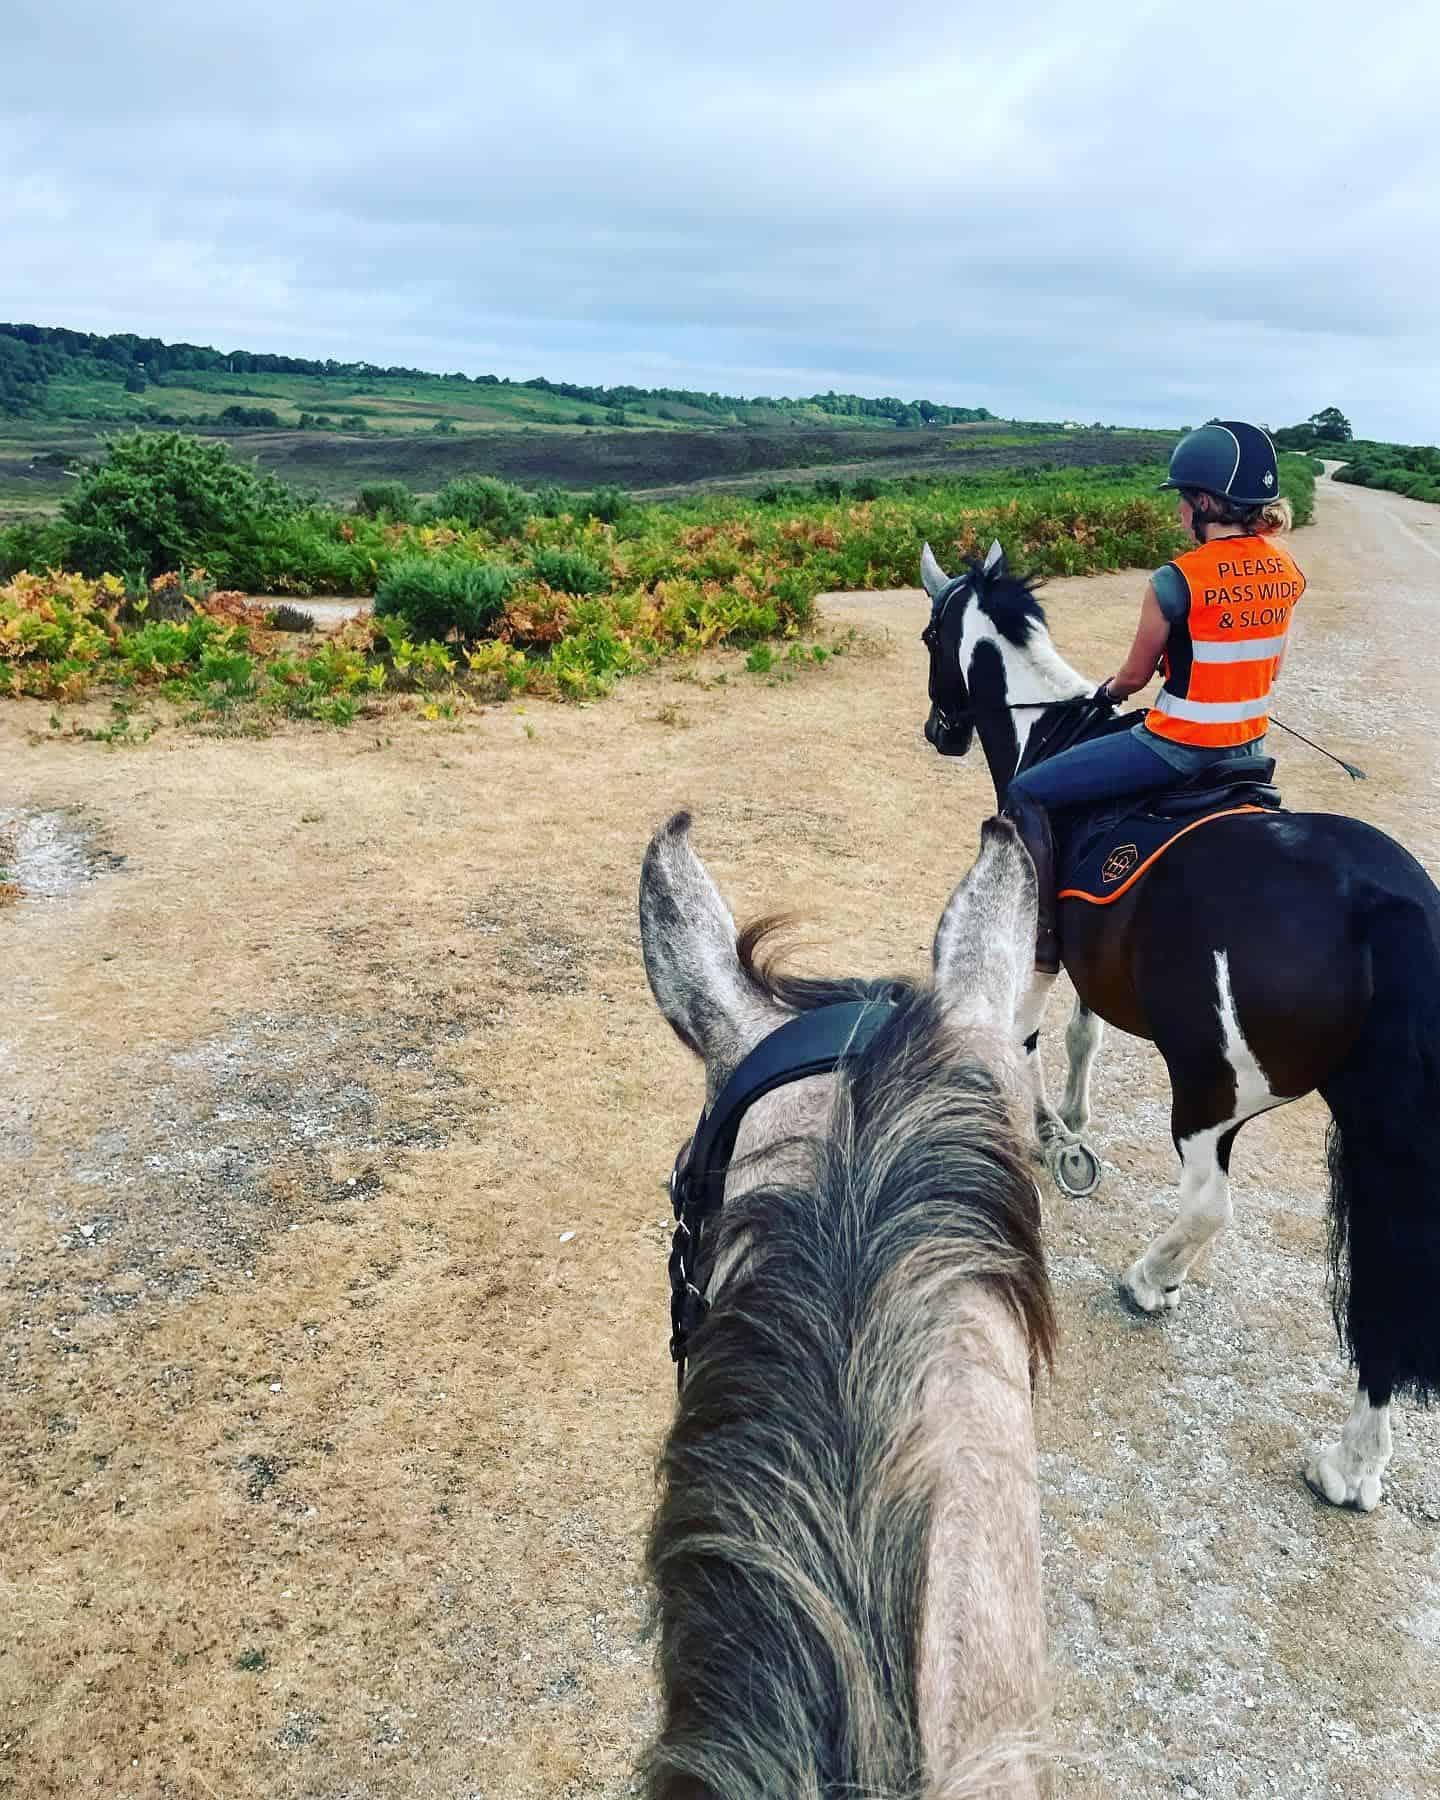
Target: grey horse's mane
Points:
(789, 1550)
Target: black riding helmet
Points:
(1232, 460)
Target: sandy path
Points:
(326, 1461)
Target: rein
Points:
(1095, 699)
(814, 1043)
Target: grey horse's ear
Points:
(995, 559)
(688, 938)
(985, 942)
(932, 577)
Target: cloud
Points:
(1137, 211)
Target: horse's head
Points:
(722, 1002)
(862, 1306)
(992, 662)
(951, 724)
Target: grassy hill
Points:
(55, 373)
(327, 427)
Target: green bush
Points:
(390, 498)
(569, 572)
(483, 502)
(163, 501)
(34, 546)
(302, 553)
(1297, 484)
(435, 595)
(608, 504)
(290, 618)
(250, 415)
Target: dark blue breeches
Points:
(1110, 768)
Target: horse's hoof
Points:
(1075, 1169)
(1141, 1296)
(1327, 1480)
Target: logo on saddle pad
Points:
(1119, 863)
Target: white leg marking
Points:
(1031, 1018)
(1073, 1167)
(1153, 1282)
(1083, 1038)
(1348, 1473)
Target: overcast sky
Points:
(1132, 210)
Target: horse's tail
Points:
(1384, 1153)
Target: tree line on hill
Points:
(1328, 426)
(32, 355)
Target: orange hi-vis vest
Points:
(1221, 659)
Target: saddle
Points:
(1102, 855)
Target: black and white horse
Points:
(1265, 957)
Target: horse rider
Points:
(1215, 619)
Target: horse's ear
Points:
(985, 943)
(688, 939)
(995, 559)
(932, 577)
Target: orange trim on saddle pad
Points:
(1108, 899)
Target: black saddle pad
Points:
(1104, 853)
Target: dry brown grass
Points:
(327, 1462)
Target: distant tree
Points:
(135, 380)
(1295, 437)
(1332, 426)
(444, 428)
(616, 416)
(23, 376)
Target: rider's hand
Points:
(1103, 695)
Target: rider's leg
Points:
(1033, 823)
(1109, 768)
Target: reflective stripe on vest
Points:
(1223, 712)
(1221, 659)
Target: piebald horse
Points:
(1265, 957)
(846, 1555)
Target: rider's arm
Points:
(1150, 638)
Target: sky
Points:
(1134, 211)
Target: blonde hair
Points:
(1274, 515)
(1259, 521)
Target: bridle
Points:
(953, 714)
(813, 1043)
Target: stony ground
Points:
(334, 1116)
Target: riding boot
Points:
(1032, 821)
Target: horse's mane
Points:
(789, 1549)
(1009, 602)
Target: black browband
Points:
(814, 1043)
